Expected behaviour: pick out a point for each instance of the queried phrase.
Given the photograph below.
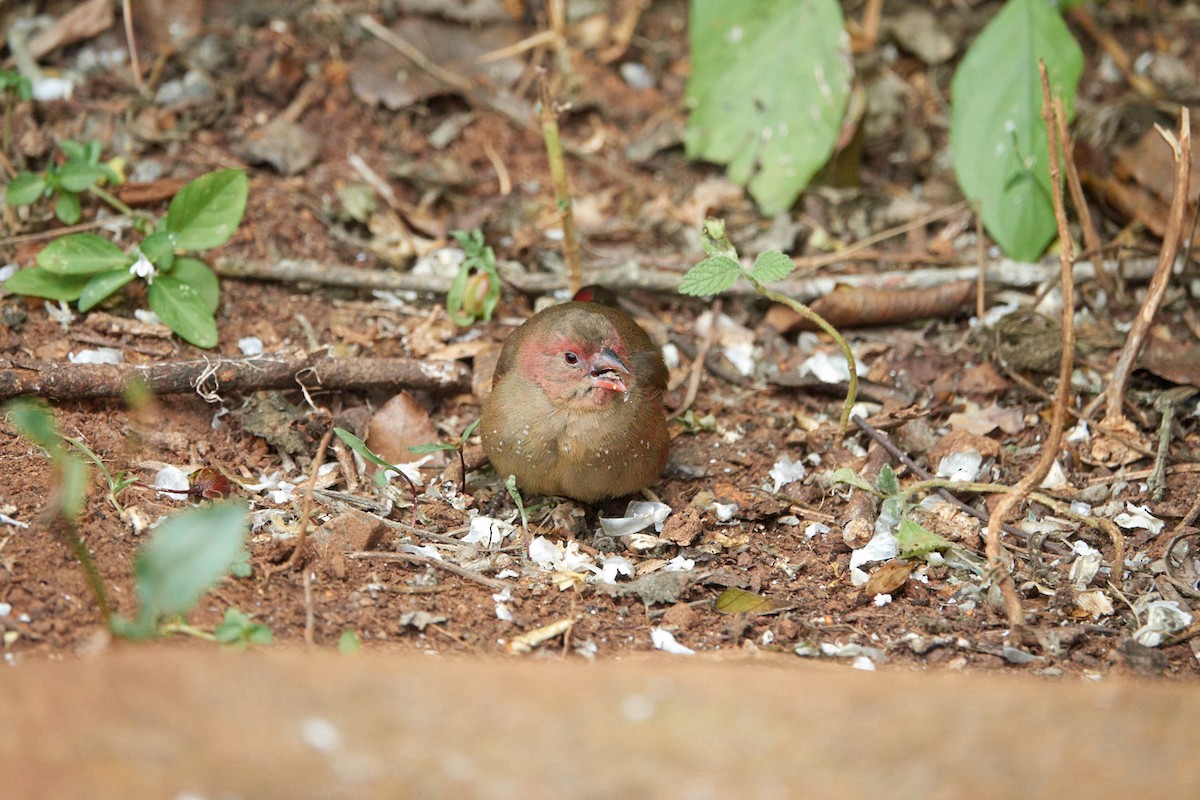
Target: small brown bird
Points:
(576, 405)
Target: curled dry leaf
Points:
(889, 578)
(852, 307)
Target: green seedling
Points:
(476, 289)
(181, 290)
(81, 172)
(117, 482)
(441, 447)
(349, 642)
(359, 446)
(692, 424)
(239, 631)
(722, 269)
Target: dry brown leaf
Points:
(889, 578)
(402, 423)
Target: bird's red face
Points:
(578, 372)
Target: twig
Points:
(632, 275)
(1114, 398)
(1167, 404)
(548, 115)
(412, 558)
(134, 64)
(1012, 602)
(310, 618)
(1091, 238)
(697, 371)
(306, 508)
(209, 376)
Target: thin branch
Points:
(412, 558)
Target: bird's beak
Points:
(608, 371)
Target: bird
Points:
(576, 406)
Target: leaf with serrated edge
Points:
(710, 276)
(772, 266)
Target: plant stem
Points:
(562, 187)
(112, 200)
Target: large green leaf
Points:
(37, 282)
(195, 273)
(183, 310)
(25, 189)
(81, 254)
(997, 136)
(101, 286)
(207, 211)
(186, 556)
(768, 89)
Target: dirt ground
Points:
(928, 384)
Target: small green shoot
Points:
(349, 642)
(476, 289)
(239, 631)
(692, 424)
(182, 291)
(359, 446)
(117, 482)
(510, 485)
(442, 447)
(34, 420)
(81, 172)
(914, 539)
(722, 269)
(186, 556)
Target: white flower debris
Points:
(172, 478)
(251, 346)
(411, 470)
(1136, 516)
(146, 316)
(1163, 618)
(882, 600)
(1079, 433)
(679, 564)
(786, 472)
(1086, 564)
(612, 566)
(814, 528)
(863, 663)
(101, 355)
(664, 640)
(501, 599)
(142, 268)
(426, 550)
(961, 467)
(829, 368)
(639, 515)
(883, 547)
(549, 556)
(488, 532)
(725, 511)
(1056, 478)
(60, 313)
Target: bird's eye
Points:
(570, 358)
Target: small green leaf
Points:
(238, 629)
(196, 274)
(37, 282)
(72, 492)
(359, 446)
(183, 310)
(82, 254)
(887, 483)
(34, 420)
(851, 478)
(186, 556)
(916, 540)
(711, 276)
(76, 176)
(772, 266)
(67, 207)
(467, 433)
(422, 449)
(102, 285)
(159, 248)
(349, 642)
(25, 189)
(207, 211)
(73, 150)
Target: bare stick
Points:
(306, 509)
(632, 275)
(697, 371)
(208, 376)
(134, 64)
(412, 558)
(1091, 238)
(1114, 398)
(548, 116)
(1012, 602)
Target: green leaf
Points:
(102, 285)
(72, 492)
(25, 189)
(76, 176)
(207, 211)
(769, 86)
(772, 266)
(422, 449)
(73, 150)
(159, 248)
(711, 276)
(349, 642)
(466, 434)
(37, 282)
(359, 446)
(887, 483)
(851, 478)
(916, 540)
(81, 254)
(238, 629)
(997, 137)
(34, 420)
(186, 556)
(67, 207)
(196, 274)
(183, 310)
